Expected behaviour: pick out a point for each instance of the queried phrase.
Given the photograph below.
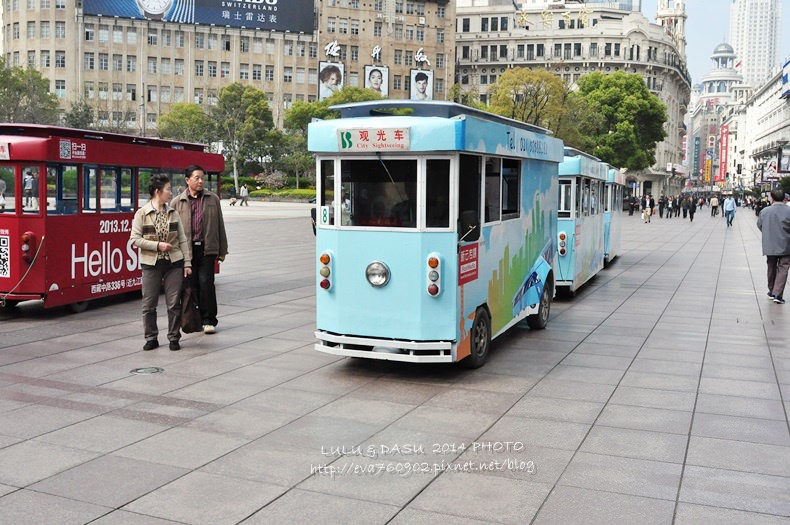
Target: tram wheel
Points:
(481, 340)
(79, 307)
(539, 320)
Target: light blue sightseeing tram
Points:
(613, 214)
(435, 228)
(580, 220)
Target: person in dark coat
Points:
(774, 223)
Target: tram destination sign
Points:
(373, 139)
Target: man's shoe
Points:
(174, 345)
(779, 300)
(151, 344)
(209, 329)
(771, 295)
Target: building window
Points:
(117, 91)
(198, 96)
(226, 43)
(330, 25)
(167, 38)
(503, 23)
(288, 48)
(131, 63)
(440, 12)
(439, 60)
(199, 68)
(256, 72)
(131, 36)
(484, 25)
(104, 33)
(244, 71)
(312, 76)
(300, 49)
(440, 36)
(117, 35)
(45, 30)
(164, 94)
(103, 91)
(257, 45)
(179, 39)
(593, 49)
(355, 53)
(269, 46)
(60, 4)
(520, 51)
(152, 94)
(212, 41)
(398, 57)
(200, 41)
(300, 75)
(60, 88)
(178, 94)
(212, 69)
(464, 25)
(244, 44)
(46, 4)
(88, 91)
(88, 63)
(178, 67)
(31, 59)
(269, 73)
(165, 66)
(420, 34)
(104, 62)
(313, 50)
(153, 37)
(152, 65)
(377, 29)
(31, 30)
(45, 59)
(224, 70)
(355, 27)
(343, 27)
(60, 29)
(288, 75)
(211, 97)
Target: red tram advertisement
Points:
(67, 199)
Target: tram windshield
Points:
(383, 193)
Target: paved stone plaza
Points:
(659, 394)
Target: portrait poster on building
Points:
(330, 79)
(377, 78)
(784, 164)
(421, 87)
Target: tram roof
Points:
(428, 108)
(46, 131)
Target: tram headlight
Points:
(377, 274)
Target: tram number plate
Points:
(5, 256)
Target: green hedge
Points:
(284, 194)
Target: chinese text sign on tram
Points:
(373, 139)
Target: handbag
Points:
(191, 320)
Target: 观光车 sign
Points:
(276, 15)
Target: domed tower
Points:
(718, 83)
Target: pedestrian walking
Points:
(164, 257)
(244, 193)
(774, 223)
(714, 206)
(201, 216)
(648, 203)
(729, 209)
(662, 203)
(691, 207)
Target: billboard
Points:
(276, 15)
(330, 79)
(377, 79)
(421, 85)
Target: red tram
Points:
(68, 199)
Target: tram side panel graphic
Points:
(503, 271)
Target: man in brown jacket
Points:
(201, 216)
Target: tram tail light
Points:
(325, 271)
(562, 243)
(433, 269)
(27, 245)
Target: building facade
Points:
(754, 35)
(131, 65)
(572, 39)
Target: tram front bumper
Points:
(385, 349)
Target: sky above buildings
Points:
(707, 26)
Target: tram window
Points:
(7, 189)
(382, 191)
(127, 190)
(62, 189)
(469, 191)
(594, 196)
(109, 190)
(327, 197)
(143, 180)
(565, 206)
(607, 200)
(90, 190)
(30, 182)
(511, 189)
(586, 197)
(493, 187)
(577, 205)
(437, 193)
(178, 182)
